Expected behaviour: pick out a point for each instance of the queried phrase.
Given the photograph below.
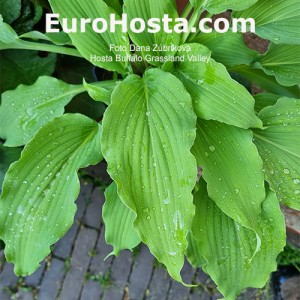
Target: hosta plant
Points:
(167, 124)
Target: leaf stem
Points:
(187, 11)
(192, 24)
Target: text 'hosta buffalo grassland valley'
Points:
(166, 116)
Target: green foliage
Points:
(290, 256)
(235, 268)
(23, 67)
(43, 206)
(162, 121)
(276, 20)
(90, 43)
(119, 232)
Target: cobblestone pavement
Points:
(76, 268)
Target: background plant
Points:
(161, 122)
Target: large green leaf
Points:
(26, 109)
(57, 38)
(7, 157)
(283, 62)
(146, 10)
(148, 131)
(218, 6)
(215, 94)
(90, 43)
(23, 67)
(7, 35)
(227, 48)
(278, 145)
(276, 20)
(228, 247)
(266, 82)
(232, 169)
(37, 203)
(118, 220)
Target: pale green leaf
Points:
(232, 169)
(59, 38)
(27, 108)
(146, 10)
(7, 35)
(279, 146)
(266, 82)
(215, 94)
(283, 62)
(227, 48)
(149, 125)
(228, 247)
(90, 43)
(100, 92)
(118, 220)
(276, 20)
(37, 203)
(263, 100)
(218, 6)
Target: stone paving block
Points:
(52, 280)
(24, 295)
(93, 215)
(119, 274)
(36, 277)
(83, 199)
(7, 276)
(98, 265)
(141, 274)
(177, 290)
(91, 291)
(290, 289)
(4, 293)
(64, 246)
(113, 294)
(80, 260)
(7, 279)
(198, 293)
(159, 285)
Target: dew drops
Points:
(296, 181)
(237, 191)
(148, 113)
(206, 154)
(286, 171)
(297, 192)
(25, 181)
(148, 218)
(146, 210)
(212, 148)
(172, 253)
(167, 201)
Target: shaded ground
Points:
(76, 268)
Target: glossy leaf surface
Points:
(148, 126)
(37, 203)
